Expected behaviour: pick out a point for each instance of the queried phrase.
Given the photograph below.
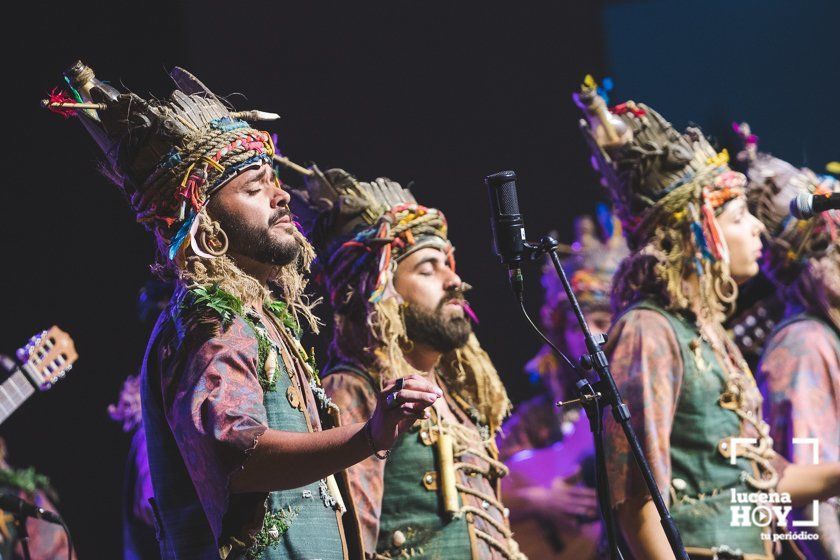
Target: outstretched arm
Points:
(282, 460)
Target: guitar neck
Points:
(13, 392)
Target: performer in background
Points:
(549, 450)
(46, 540)
(232, 408)
(688, 388)
(799, 372)
(139, 542)
(399, 308)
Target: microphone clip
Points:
(535, 251)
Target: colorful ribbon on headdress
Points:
(392, 234)
(209, 170)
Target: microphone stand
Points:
(20, 522)
(593, 398)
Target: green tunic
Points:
(702, 478)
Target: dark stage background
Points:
(439, 93)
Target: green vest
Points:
(313, 527)
(701, 477)
(415, 508)
(412, 521)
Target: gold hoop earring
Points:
(726, 289)
(213, 240)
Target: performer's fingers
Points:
(401, 380)
(416, 382)
(582, 492)
(583, 507)
(415, 407)
(410, 419)
(407, 395)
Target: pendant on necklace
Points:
(270, 365)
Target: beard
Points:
(260, 243)
(434, 329)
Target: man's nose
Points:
(452, 280)
(279, 197)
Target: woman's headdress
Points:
(666, 188)
(774, 183)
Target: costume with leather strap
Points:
(436, 496)
(224, 363)
(686, 383)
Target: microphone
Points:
(507, 225)
(806, 206)
(16, 506)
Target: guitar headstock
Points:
(47, 357)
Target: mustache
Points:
(456, 293)
(279, 215)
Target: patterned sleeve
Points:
(801, 391)
(357, 400)
(647, 365)
(214, 406)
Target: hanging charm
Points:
(697, 352)
(293, 395)
(270, 365)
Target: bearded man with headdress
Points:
(399, 309)
(689, 390)
(232, 408)
(549, 450)
(799, 371)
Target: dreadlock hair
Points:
(662, 266)
(287, 282)
(817, 287)
(371, 335)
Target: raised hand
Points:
(398, 406)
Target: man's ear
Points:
(391, 291)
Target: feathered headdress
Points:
(664, 185)
(361, 231)
(370, 226)
(167, 156)
(774, 183)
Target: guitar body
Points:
(541, 538)
(538, 539)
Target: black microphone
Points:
(16, 506)
(806, 206)
(507, 225)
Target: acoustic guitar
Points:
(45, 360)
